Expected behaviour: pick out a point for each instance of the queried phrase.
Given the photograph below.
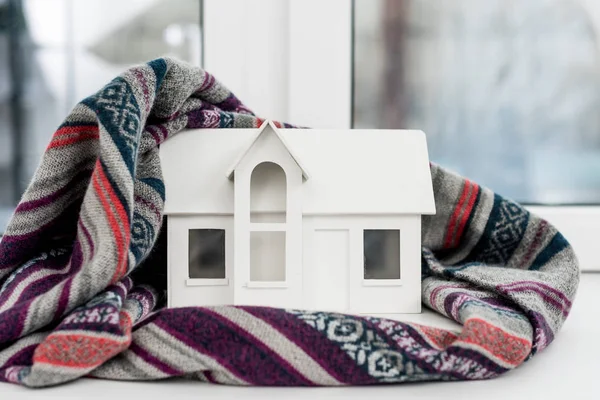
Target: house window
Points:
(381, 254)
(207, 253)
(267, 256)
(268, 194)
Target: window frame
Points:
(297, 62)
(396, 223)
(215, 281)
(379, 281)
(246, 226)
(280, 228)
(257, 227)
(186, 223)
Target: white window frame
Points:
(200, 222)
(254, 227)
(291, 60)
(373, 282)
(180, 287)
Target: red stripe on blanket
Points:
(452, 224)
(75, 134)
(68, 130)
(121, 237)
(122, 266)
(500, 344)
(83, 351)
(439, 338)
(77, 351)
(77, 139)
(466, 214)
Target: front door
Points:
(326, 266)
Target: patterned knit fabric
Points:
(69, 307)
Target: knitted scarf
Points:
(85, 235)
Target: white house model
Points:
(297, 218)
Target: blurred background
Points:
(508, 91)
(54, 53)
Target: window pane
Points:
(207, 253)
(268, 193)
(57, 52)
(267, 256)
(507, 92)
(381, 254)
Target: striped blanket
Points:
(84, 243)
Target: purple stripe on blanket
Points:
(63, 300)
(541, 285)
(453, 309)
(23, 357)
(154, 133)
(474, 364)
(545, 296)
(231, 103)
(153, 361)
(88, 237)
(12, 321)
(543, 333)
(53, 197)
(503, 304)
(326, 353)
(209, 81)
(55, 277)
(17, 249)
(164, 131)
(49, 264)
(232, 347)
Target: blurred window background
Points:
(508, 91)
(54, 53)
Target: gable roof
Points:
(353, 172)
(266, 127)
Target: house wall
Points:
(334, 265)
(184, 290)
(332, 275)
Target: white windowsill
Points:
(206, 282)
(267, 285)
(382, 282)
(268, 227)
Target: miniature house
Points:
(297, 218)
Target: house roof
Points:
(264, 128)
(359, 171)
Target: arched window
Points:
(268, 193)
(268, 206)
